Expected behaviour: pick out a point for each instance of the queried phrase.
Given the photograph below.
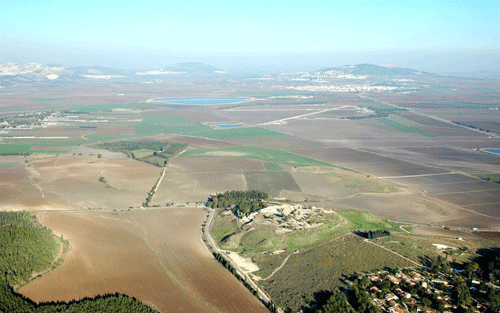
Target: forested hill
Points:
(25, 248)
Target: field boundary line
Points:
(307, 114)
(417, 175)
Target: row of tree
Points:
(372, 234)
(241, 203)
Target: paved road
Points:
(262, 295)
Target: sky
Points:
(444, 35)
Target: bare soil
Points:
(156, 256)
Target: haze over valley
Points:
(273, 157)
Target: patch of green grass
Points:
(50, 151)
(14, 149)
(241, 132)
(490, 177)
(261, 240)
(378, 106)
(222, 226)
(271, 182)
(405, 128)
(11, 165)
(142, 153)
(266, 155)
(99, 137)
(162, 119)
(44, 99)
(24, 146)
(271, 166)
(464, 105)
(352, 220)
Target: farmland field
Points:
(156, 256)
(271, 183)
(266, 155)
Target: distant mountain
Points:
(377, 70)
(13, 73)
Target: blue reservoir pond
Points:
(208, 100)
(229, 125)
(495, 151)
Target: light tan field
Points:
(18, 191)
(75, 178)
(334, 183)
(194, 179)
(156, 256)
(399, 206)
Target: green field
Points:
(44, 99)
(404, 128)
(104, 107)
(271, 182)
(352, 220)
(490, 177)
(24, 146)
(164, 119)
(463, 105)
(177, 124)
(375, 106)
(11, 165)
(242, 132)
(142, 153)
(266, 155)
(270, 166)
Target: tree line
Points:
(241, 203)
(372, 234)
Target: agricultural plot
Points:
(195, 187)
(176, 272)
(332, 183)
(26, 147)
(19, 190)
(174, 235)
(270, 166)
(401, 207)
(266, 155)
(176, 124)
(368, 162)
(489, 177)
(77, 180)
(401, 125)
(271, 182)
(489, 235)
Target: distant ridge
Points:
(193, 67)
(372, 69)
(14, 73)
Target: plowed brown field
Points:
(156, 256)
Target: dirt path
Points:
(393, 252)
(276, 270)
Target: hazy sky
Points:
(145, 34)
